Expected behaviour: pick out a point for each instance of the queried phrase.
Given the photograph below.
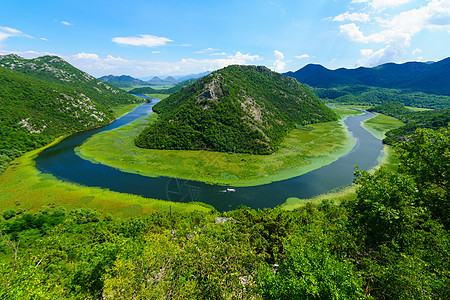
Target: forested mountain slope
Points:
(245, 109)
(45, 97)
(431, 78)
(432, 119)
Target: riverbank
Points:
(377, 126)
(301, 152)
(24, 188)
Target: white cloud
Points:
(354, 17)
(366, 52)
(88, 56)
(66, 23)
(6, 32)
(382, 4)
(397, 31)
(206, 50)
(387, 54)
(44, 39)
(219, 53)
(98, 66)
(417, 50)
(279, 64)
(353, 33)
(302, 56)
(145, 40)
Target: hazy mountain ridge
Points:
(236, 109)
(427, 77)
(122, 81)
(150, 90)
(129, 81)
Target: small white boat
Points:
(230, 190)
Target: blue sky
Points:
(147, 38)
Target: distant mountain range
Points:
(247, 109)
(128, 81)
(124, 81)
(176, 88)
(433, 78)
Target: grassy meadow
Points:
(300, 152)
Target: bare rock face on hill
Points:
(246, 109)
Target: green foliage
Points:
(400, 220)
(310, 270)
(392, 242)
(426, 159)
(433, 119)
(45, 97)
(413, 76)
(243, 109)
(369, 95)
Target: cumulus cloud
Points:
(302, 56)
(98, 66)
(6, 32)
(366, 52)
(397, 31)
(145, 40)
(89, 56)
(279, 64)
(354, 17)
(66, 23)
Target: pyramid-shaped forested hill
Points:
(247, 109)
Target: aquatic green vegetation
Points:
(300, 152)
(24, 188)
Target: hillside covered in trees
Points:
(391, 242)
(432, 77)
(46, 97)
(433, 119)
(245, 109)
(369, 95)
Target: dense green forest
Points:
(149, 90)
(46, 97)
(368, 95)
(392, 242)
(433, 119)
(427, 77)
(245, 109)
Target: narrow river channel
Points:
(61, 161)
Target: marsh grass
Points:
(336, 196)
(380, 124)
(119, 111)
(24, 188)
(302, 151)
